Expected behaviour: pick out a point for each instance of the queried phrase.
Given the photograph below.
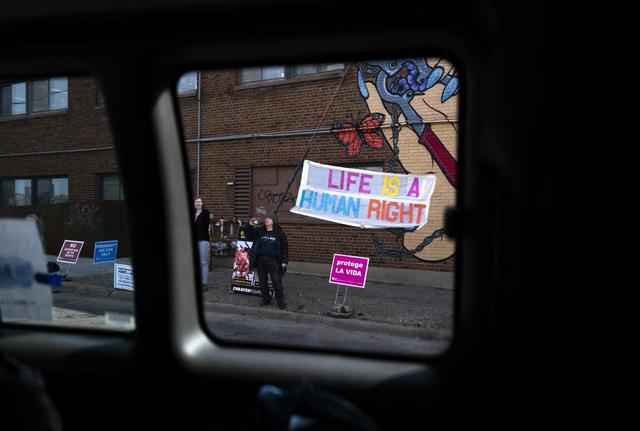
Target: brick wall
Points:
(228, 109)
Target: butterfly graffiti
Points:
(367, 130)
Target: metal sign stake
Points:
(65, 276)
(346, 290)
(335, 301)
(341, 310)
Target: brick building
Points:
(245, 131)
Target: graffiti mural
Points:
(418, 98)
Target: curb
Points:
(354, 324)
(95, 290)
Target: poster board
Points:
(243, 279)
(123, 277)
(70, 251)
(105, 251)
(349, 270)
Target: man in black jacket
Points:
(270, 254)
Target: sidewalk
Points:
(413, 277)
(437, 279)
(427, 310)
(85, 266)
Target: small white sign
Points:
(123, 276)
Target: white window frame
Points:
(289, 72)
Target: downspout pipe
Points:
(198, 132)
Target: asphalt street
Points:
(388, 317)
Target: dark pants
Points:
(269, 265)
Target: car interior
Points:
(514, 357)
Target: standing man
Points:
(270, 254)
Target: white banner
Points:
(367, 199)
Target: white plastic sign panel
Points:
(21, 258)
(123, 276)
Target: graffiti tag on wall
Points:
(269, 196)
(84, 215)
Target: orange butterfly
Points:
(367, 130)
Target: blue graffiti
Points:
(417, 76)
(362, 86)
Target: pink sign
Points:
(70, 251)
(349, 270)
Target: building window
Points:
(310, 69)
(58, 94)
(29, 191)
(40, 96)
(20, 98)
(188, 82)
(255, 74)
(268, 73)
(110, 188)
(16, 193)
(52, 190)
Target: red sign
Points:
(70, 251)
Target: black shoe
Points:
(205, 287)
(282, 306)
(265, 302)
